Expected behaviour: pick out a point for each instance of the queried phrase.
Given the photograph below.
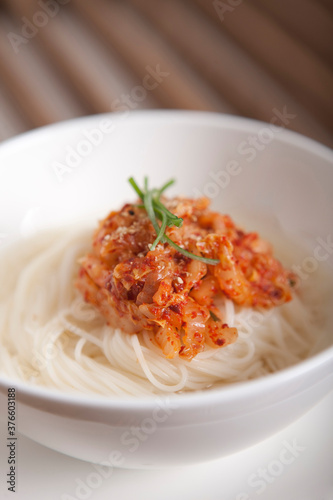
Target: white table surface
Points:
(254, 473)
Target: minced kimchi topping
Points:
(172, 295)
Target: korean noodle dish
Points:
(163, 296)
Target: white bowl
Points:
(78, 170)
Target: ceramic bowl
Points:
(255, 171)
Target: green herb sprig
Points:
(157, 211)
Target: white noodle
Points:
(50, 337)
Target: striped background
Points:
(78, 57)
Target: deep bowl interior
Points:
(267, 178)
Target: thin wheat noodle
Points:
(51, 337)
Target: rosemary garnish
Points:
(157, 211)
(213, 316)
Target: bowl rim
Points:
(188, 400)
(182, 116)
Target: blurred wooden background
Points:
(61, 59)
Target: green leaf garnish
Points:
(213, 316)
(157, 211)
